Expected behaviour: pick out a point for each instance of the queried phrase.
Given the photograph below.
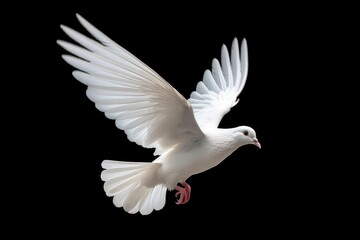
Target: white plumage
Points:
(153, 114)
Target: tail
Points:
(125, 182)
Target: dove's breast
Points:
(185, 161)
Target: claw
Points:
(184, 193)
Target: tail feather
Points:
(114, 186)
(146, 206)
(158, 197)
(109, 164)
(120, 196)
(111, 185)
(133, 200)
(110, 174)
(127, 183)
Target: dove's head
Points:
(247, 135)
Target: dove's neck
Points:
(227, 138)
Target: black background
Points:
(280, 190)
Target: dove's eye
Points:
(246, 132)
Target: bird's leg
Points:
(184, 193)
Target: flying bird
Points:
(153, 114)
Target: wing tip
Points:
(81, 19)
(62, 26)
(67, 58)
(235, 43)
(60, 42)
(224, 49)
(215, 62)
(66, 29)
(243, 43)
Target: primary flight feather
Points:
(153, 114)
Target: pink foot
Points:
(184, 193)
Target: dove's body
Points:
(186, 160)
(169, 169)
(153, 114)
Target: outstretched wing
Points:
(150, 111)
(217, 93)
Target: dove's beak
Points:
(256, 142)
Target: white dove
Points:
(153, 114)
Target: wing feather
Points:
(217, 93)
(150, 111)
(210, 81)
(226, 66)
